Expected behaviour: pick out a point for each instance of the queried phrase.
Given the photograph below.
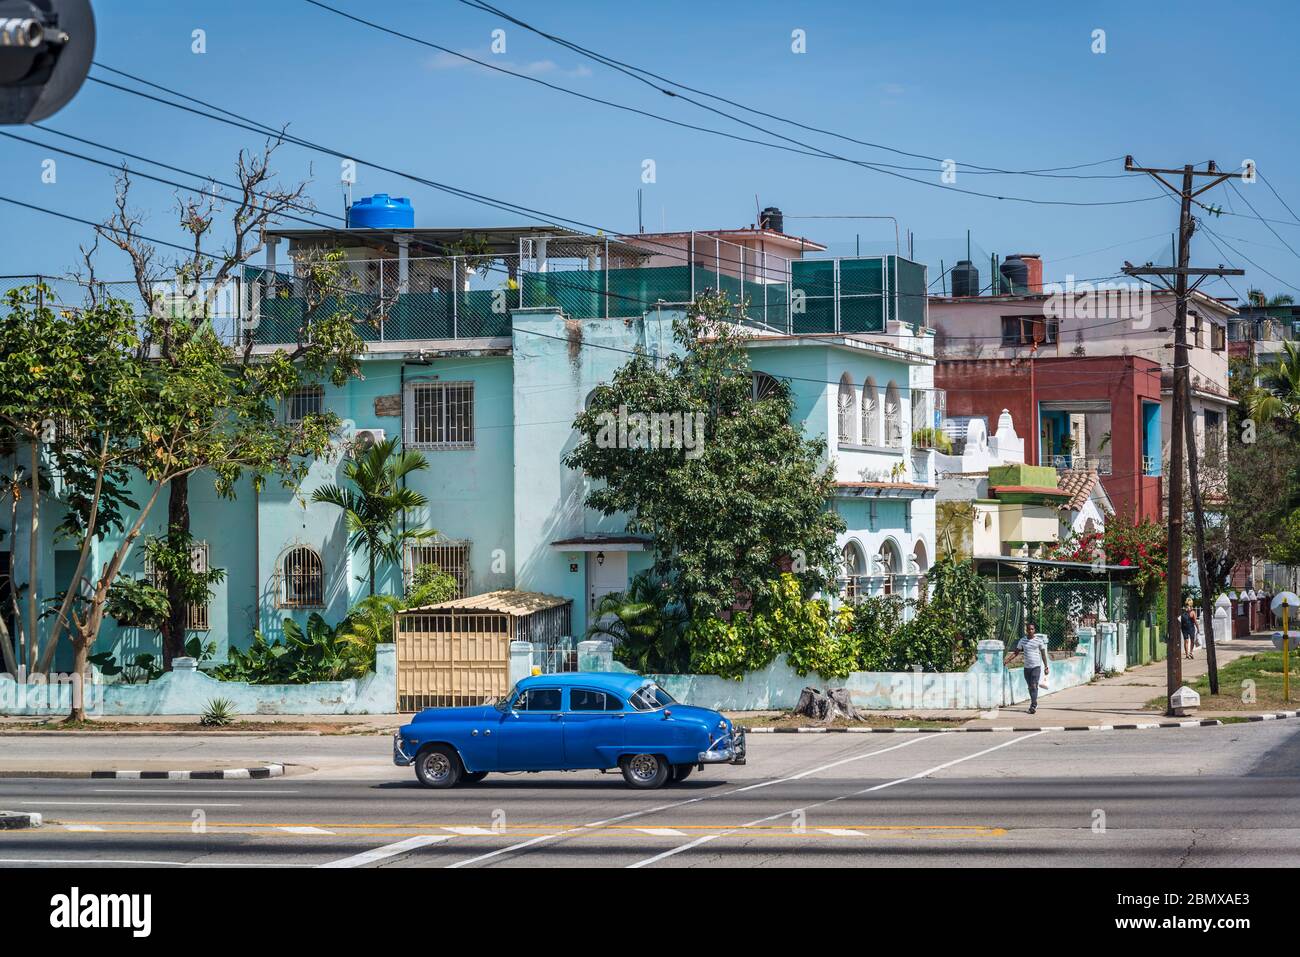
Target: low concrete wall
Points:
(185, 690)
(987, 684)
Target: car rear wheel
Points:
(472, 777)
(644, 771)
(681, 772)
(438, 767)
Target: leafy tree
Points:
(726, 517)
(181, 293)
(140, 425)
(379, 500)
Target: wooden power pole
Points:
(1179, 430)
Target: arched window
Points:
(304, 579)
(891, 564)
(893, 417)
(847, 408)
(870, 413)
(764, 386)
(853, 565)
(920, 562)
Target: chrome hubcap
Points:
(644, 767)
(436, 766)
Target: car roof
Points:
(623, 683)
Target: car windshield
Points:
(649, 697)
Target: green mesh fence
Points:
(1059, 608)
(806, 304)
(812, 291)
(911, 292)
(862, 295)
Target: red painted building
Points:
(1080, 412)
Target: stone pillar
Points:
(1222, 619)
(989, 673)
(521, 660)
(1106, 646)
(595, 656)
(1088, 646)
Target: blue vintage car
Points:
(569, 722)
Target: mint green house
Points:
(482, 361)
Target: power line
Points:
(632, 71)
(805, 147)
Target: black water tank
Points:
(771, 218)
(965, 279)
(1016, 273)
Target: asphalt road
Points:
(1224, 796)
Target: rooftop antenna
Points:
(640, 223)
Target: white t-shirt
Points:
(1035, 650)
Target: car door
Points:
(593, 728)
(532, 731)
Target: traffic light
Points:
(45, 51)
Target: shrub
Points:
(219, 713)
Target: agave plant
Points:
(219, 713)
(647, 626)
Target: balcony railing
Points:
(1079, 463)
(458, 297)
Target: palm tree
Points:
(373, 510)
(648, 629)
(1279, 394)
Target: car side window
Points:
(612, 703)
(539, 699)
(644, 699)
(581, 699)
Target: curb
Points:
(18, 820)
(226, 774)
(1145, 726)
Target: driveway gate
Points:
(458, 652)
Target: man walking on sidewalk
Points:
(1034, 649)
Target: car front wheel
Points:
(645, 771)
(438, 767)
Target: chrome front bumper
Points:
(400, 757)
(726, 750)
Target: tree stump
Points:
(827, 706)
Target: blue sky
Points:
(1019, 88)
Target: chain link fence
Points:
(1059, 609)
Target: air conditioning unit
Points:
(363, 440)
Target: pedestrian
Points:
(1034, 650)
(1187, 623)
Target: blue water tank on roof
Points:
(381, 211)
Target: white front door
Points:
(606, 572)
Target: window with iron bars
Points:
(300, 403)
(196, 613)
(451, 557)
(440, 415)
(303, 579)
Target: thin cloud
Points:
(541, 68)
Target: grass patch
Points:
(788, 720)
(1263, 669)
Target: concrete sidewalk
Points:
(1121, 699)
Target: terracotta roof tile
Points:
(1079, 484)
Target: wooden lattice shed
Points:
(458, 652)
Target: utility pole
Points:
(1180, 431)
